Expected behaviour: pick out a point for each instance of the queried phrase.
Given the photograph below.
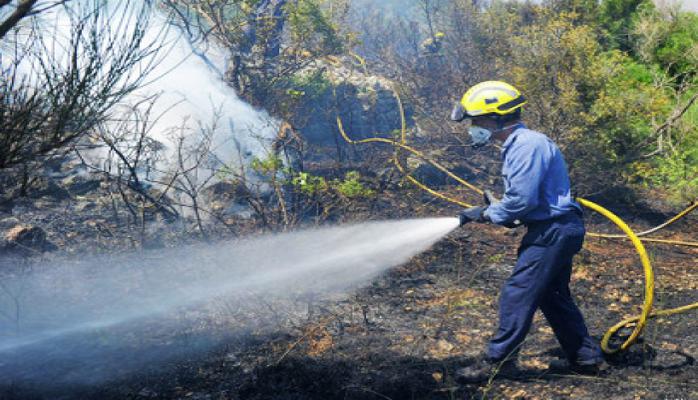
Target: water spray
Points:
(102, 317)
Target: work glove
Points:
(489, 197)
(472, 214)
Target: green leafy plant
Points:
(267, 165)
(310, 184)
(312, 27)
(351, 186)
(308, 84)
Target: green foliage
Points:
(310, 184)
(267, 166)
(495, 258)
(669, 40)
(312, 85)
(351, 187)
(678, 172)
(625, 107)
(555, 62)
(602, 106)
(313, 29)
(617, 18)
(586, 11)
(678, 51)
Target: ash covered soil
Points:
(403, 335)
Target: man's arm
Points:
(528, 163)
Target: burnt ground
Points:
(403, 335)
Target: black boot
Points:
(563, 365)
(484, 368)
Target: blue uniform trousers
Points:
(541, 280)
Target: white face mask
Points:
(479, 135)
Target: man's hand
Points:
(489, 197)
(472, 214)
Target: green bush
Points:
(625, 107)
(308, 84)
(351, 187)
(313, 29)
(676, 171)
(617, 18)
(267, 166)
(678, 51)
(310, 184)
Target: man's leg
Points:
(520, 296)
(568, 324)
(564, 316)
(517, 304)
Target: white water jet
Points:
(95, 319)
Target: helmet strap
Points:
(501, 127)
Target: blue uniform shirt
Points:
(536, 182)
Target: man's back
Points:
(536, 181)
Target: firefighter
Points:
(537, 195)
(432, 45)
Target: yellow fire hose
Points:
(640, 320)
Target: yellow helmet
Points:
(488, 98)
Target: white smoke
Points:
(193, 94)
(186, 78)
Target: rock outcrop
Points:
(366, 104)
(26, 240)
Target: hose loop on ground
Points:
(649, 282)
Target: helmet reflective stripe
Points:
(511, 93)
(474, 113)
